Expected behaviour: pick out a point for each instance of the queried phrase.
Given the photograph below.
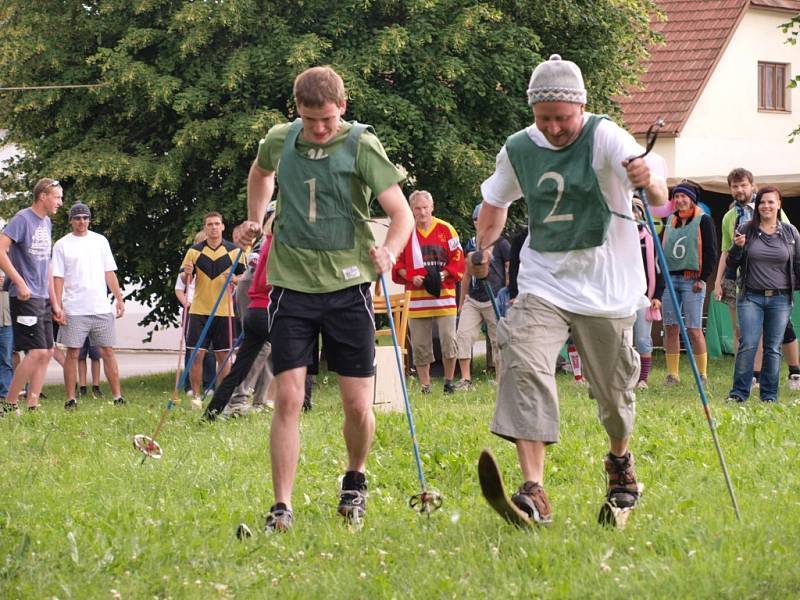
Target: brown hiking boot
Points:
(623, 490)
(531, 499)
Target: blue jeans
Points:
(756, 313)
(6, 368)
(689, 301)
(503, 299)
(642, 332)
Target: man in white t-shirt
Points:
(581, 272)
(83, 271)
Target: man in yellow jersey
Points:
(209, 263)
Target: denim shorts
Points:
(690, 302)
(643, 332)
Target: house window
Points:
(772, 81)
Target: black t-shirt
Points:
(501, 254)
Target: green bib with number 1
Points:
(315, 206)
(566, 209)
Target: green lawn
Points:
(81, 517)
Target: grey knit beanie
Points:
(556, 80)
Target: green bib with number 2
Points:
(566, 209)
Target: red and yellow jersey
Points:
(440, 248)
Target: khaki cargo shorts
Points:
(530, 338)
(421, 330)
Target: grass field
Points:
(80, 517)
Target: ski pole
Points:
(652, 135)
(426, 501)
(476, 259)
(234, 345)
(147, 444)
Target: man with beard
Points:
(743, 191)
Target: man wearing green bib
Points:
(321, 263)
(580, 271)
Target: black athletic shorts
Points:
(93, 352)
(345, 320)
(789, 335)
(218, 335)
(32, 324)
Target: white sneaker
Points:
(641, 385)
(197, 403)
(755, 385)
(794, 382)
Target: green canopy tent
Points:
(719, 332)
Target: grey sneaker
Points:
(353, 498)
(449, 388)
(236, 410)
(671, 380)
(531, 499)
(794, 382)
(71, 404)
(465, 385)
(425, 389)
(279, 518)
(8, 407)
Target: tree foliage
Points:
(188, 89)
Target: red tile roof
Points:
(695, 36)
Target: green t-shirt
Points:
(318, 271)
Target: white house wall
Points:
(725, 129)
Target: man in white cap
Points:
(581, 271)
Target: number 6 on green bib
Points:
(681, 247)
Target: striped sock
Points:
(647, 361)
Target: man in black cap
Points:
(83, 270)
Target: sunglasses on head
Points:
(54, 183)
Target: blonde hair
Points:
(43, 185)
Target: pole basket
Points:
(147, 446)
(426, 502)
